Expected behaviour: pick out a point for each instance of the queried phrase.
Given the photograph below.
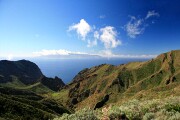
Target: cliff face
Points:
(134, 79)
(27, 73)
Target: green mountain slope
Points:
(21, 104)
(93, 88)
(23, 90)
(24, 74)
(156, 78)
(26, 71)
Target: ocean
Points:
(66, 69)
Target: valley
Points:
(25, 93)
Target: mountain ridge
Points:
(96, 87)
(91, 85)
(24, 73)
(23, 90)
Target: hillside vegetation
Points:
(155, 109)
(137, 90)
(155, 79)
(24, 74)
(21, 104)
(22, 92)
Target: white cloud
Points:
(9, 57)
(109, 37)
(110, 54)
(136, 56)
(134, 27)
(82, 28)
(55, 52)
(151, 14)
(102, 16)
(107, 53)
(92, 43)
(96, 35)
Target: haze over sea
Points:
(66, 69)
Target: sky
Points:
(105, 28)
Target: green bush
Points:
(148, 116)
(158, 109)
(171, 107)
(84, 114)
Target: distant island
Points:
(137, 90)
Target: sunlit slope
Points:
(158, 77)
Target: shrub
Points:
(84, 114)
(148, 116)
(159, 109)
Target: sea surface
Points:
(66, 69)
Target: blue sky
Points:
(108, 28)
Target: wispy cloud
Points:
(92, 43)
(82, 28)
(66, 54)
(96, 35)
(104, 54)
(109, 37)
(10, 57)
(136, 26)
(7, 57)
(55, 52)
(151, 14)
(16, 56)
(110, 54)
(102, 16)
